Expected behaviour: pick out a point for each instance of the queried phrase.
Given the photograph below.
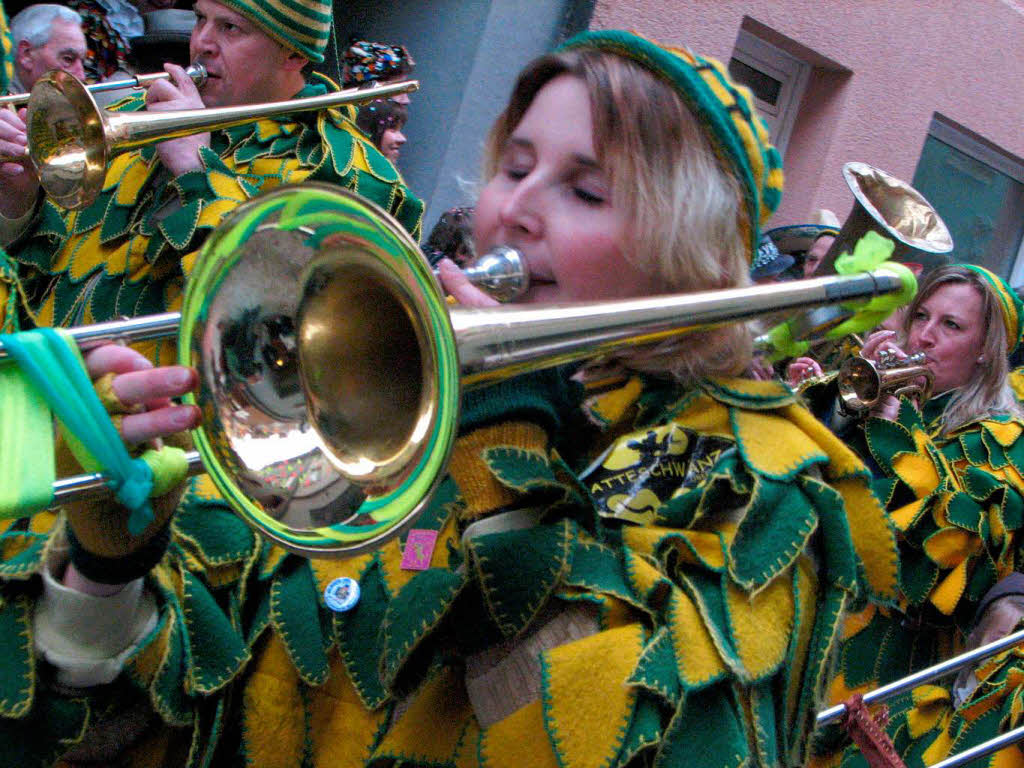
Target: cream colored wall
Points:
(908, 59)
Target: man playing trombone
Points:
(129, 251)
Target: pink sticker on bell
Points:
(419, 546)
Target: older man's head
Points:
(47, 37)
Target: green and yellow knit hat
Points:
(303, 26)
(724, 109)
(1010, 304)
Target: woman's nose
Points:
(521, 211)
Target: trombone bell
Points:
(71, 140)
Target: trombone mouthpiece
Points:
(501, 272)
(197, 71)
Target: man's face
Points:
(64, 50)
(244, 64)
(816, 254)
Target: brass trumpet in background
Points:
(195, 70)
(71, 140)
(863, 382)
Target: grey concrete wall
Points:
(467, 56)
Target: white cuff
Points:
(88, 638)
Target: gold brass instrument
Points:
(71, 140)
(196, 71)
(862, 382)
(331, 366)
(892, 208)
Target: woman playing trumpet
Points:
(952, 478)
(623, 560)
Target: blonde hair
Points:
(988, 394)
(686, 222)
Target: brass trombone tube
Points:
(981, 750)
(499, 342)
(158, 326)
(926, 675)
(131, 130)
(71, 141)
(196, 71)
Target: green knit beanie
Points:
(1010, 306)
(303, 26)
(724, 109)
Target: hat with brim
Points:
(798, 238)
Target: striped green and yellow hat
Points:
(303, 26)
(1010, 305)
(725, 110)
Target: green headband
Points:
(724, 109)
(302, 26)
(1009, 304)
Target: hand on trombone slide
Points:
(145, 392)
(179, 93)
(17, 175)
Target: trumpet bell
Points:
(315, 288)
(67, 144)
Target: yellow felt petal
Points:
(226, 186)
(694, 547)
(214, 213)
(87, 252)
(947, 594)
(761, 625)
(326, 571)
(904, 517)
(274, 717)
(917, 471)
(342, 730)
(948, 547)
(873, 539)
(841, 459)
(931, 707)
(430, 729)
(643, 574)
(131, 180)
(1006, 434)
(611, 406)
(588, 706)
(707, 416)
(696, 654)
(518, 740)
(938, 749)
(1010, 757)
(773, 445)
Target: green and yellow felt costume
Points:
(956, 499)
(6, 53)
(716, 536)
(130, 252)
(705, 543)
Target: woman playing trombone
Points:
(953, 477)
(623, 561)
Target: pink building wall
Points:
(909, 59)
